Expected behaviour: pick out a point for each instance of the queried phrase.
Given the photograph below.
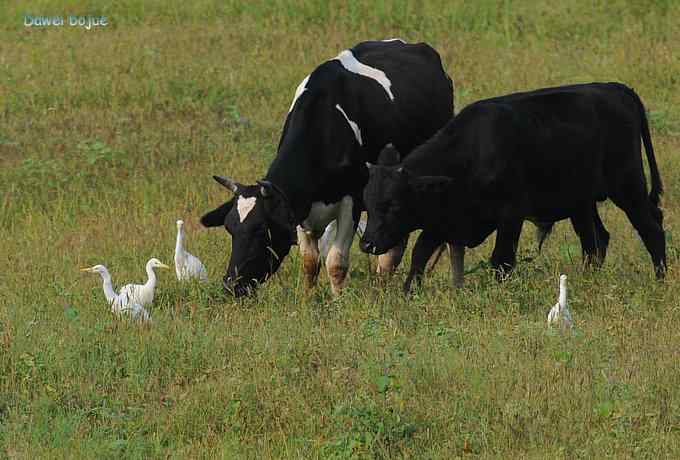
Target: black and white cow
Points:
(342, 115)
(543, 155)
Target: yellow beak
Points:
(85, 269)
(164, 266)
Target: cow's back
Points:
(566, 144)
(423, 92)
(545, 150)
(386, 92)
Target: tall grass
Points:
(108, 136)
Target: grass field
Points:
(108, 136)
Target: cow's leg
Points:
(388, 262)
(337, 261)
(457, 256)
(309, 248)
(602, 237)
(646, 218)
(591, 232)
(503, 258)
(434, 260)
(422, 251)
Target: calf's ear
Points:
(215, 218)
(430, 184)
(389, 156)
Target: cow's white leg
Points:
(385, 263)
(309, 248)
(457, 256)
(388, 262)
(337, 262)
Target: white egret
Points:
(143, 293)
(112, 297)
(559, 315)
(119, 303)
(137, 312)
(187, 265)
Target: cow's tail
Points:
(657, 186)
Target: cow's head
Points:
(262, 230)
(396, 202)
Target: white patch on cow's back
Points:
(302, 87)
(351, 63)
(353, 125)
(393, 40)
(244, 206)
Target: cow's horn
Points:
(227, 182)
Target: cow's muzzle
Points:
(236, 287)
(369, 247)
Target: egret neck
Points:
(563, 292)
(151, 282)
(110, 294)
(179, 246)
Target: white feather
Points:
(187, 266)
(559, 315)
(119, 303)
(136, 312)
(143, 293)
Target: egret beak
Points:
(86, 269)
(164, 266)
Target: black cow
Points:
(543, 155)
(342, 115)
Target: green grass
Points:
(108, 136)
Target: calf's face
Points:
(261, 229)
(388, 204)
(397, 203)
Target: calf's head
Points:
(397, 203)
(262, 230)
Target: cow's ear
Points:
(265, 188)
(430, 184)
(216, 217)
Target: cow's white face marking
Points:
(353, 125)
(302, 87)
(351, 63)
(393, 40)
(244, 206)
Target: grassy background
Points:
(108, 136)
